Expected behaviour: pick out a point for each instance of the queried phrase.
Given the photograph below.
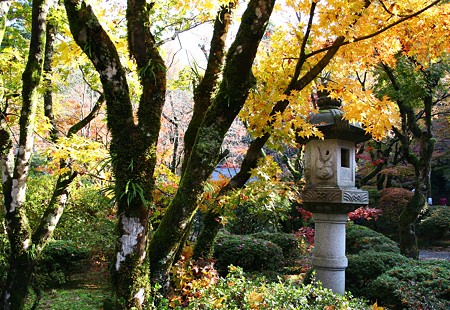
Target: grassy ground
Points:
(73, 298)
(86, 291)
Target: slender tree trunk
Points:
(19, 232)
(233, 91)
(204, 90)
(203, 93)
(408, 217)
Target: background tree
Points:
(416, 89)
(27, 242)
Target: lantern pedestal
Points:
(329, 259)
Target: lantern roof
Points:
(330, 122)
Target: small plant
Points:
(308, 234)
(236, 291)
(364, 214)
(190, 276)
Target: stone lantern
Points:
(330, 191)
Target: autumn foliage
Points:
(392, 201)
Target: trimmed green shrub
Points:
(436, 225)
(360, 238)
(59, 260)
(414, 285)
(250, 253)
(238, 292)
(365, 267)
(293, 246)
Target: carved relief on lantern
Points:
(324, 164)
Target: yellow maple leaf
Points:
(376, 307)
(255, 298)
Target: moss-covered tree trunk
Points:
(133, 146)
(232, 93)
(5, 140)
(23, 255)
(203, 93)
(204, 90)
(422, 166)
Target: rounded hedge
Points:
(436, 225)
(365, 267)
(360, 238)
(250, 253)
(414, 285)
(291, 245)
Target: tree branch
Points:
(204, 90)
(401, 20)
(93, 114)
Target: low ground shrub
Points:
(435, 226)
(250, 253)
(188, 276)
(238, 292)
(293, 246)
(414, 285)
(59, 260)
(365, 267)
(360, 238)
(4, 254)
(87, 219)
